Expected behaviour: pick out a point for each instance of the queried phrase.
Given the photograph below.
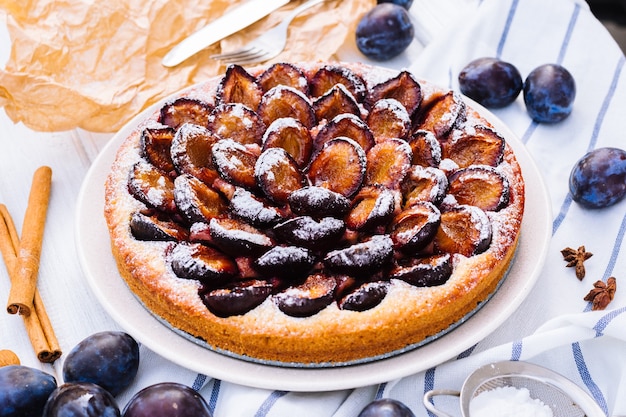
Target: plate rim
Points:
(91, 236)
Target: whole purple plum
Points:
(598, 179)
(384, 32)
(491, 82)
(549, 92)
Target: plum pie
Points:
(314, 214)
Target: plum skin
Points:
(109, 359)
(168, 399)
(24, 390)
(386, 407)
(81, 399)
(598, 179)
(491, 82)
(384, 32)
(549, 92)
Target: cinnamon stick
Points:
(38, 325)
(22, 294)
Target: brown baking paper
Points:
(95, 64)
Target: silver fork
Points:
(269, 44)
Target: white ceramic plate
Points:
(101, 271)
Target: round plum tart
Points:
(314, 214)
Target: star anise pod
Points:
(577, 258)
(602, 294)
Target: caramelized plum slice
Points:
(424, 184)
(388, 162)
(144, 227)
(235, 162)
(414, 228)
(425, 272)
(346, 125)
(318, 202)
(345, 284)
(426, 149)
(152, 187)
(291, 135)
(334, 102)
(185, 110)
(339, 166)
(368, 295)
(237, 122)
(288, 262)
(372, 207)
(238, 86)
(481, 186)
(238, 238)
(278, 175)
(237, 298)
(191, 152)
(363, 258)
(389, 119)
(252, 210)
(199, 233)
(282, 101)
(310, 233)
(283, 73)
(203, 263)
(478, 146)
(403, 87)
(328, 76)
(308, 298)
(465, 230)
(155, 147)
(196, 200)
(443, 114)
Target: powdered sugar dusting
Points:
(395, 107)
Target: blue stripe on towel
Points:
(568, 34)
(199, 382)
(516, 350)
(269, 403)
(605, 320)
(616, 249)
(429, 384)
(467, 352)
(529, 132)
(596, 393)
(215, 393)
(507, 27)
(380, 391)
(562, 213)
(605, 104)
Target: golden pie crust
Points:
(406, 317)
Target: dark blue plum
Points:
(81, 399)
(384, 32)
(24, 391)
(167, 399)
(491, 82)
(109, 359)
(549, 92)
(386, 407)
(598, 179)
(404, 3)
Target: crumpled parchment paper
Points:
(94, 64)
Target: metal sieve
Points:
(565, 398)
